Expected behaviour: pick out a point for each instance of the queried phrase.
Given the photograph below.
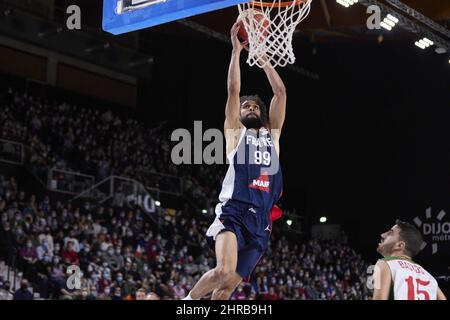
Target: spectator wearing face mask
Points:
(261, 287)
(47, 239)
(7, 243)
(134, 273)
(128, 285)
(5, 293)
(145, 271)
(179, 291)
(43, 274)
(118, 281)
(93, 293)
(105, 281)
(271, 295)
(114, 258)
(69, 255)
(75, 243)
(85, 256)
(29, 257)
(106, 294)
(44, 250)
(117, 294)
(23, 293)
(239, 294)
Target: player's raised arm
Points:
(232, 109)
(277, 111)
(382, 281)
(441, 295)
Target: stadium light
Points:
(157, 203)
(343, 3)
(428, 41)
(392, 18)
(289, 222)
(204, 211)
(323, 219)
(346, 3)
(425, 43)
(389, 22)
(420, 45)
(385, 25)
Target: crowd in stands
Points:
(100, 143)
(121, 253)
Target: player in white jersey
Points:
(397, 276)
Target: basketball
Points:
(259, 22)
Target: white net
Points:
(270, 26)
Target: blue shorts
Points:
(252, 228)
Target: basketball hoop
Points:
(271, 43)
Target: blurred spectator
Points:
(23, 293)
(271, 295)
(5, 293)
(152, 296)
(8, 243)
(69, 255)
(43, 249)
(141, 294)
(106, 295)
(117, 294)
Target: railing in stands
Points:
(73, 183)
(68, 182)
(122, 192)
(9, 271)
(11, 152)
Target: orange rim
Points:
(280, 5)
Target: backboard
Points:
(121, 16)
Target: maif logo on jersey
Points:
(435, 230)
(261, 183)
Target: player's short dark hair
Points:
(260, 103)
(411, 236)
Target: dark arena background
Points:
(88, 188)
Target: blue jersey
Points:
(254, 174)
(252, 185)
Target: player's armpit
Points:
(382, 281)
(441, 295)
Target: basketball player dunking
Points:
(252, 185)
(396, 276)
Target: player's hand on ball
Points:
(237, 44)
